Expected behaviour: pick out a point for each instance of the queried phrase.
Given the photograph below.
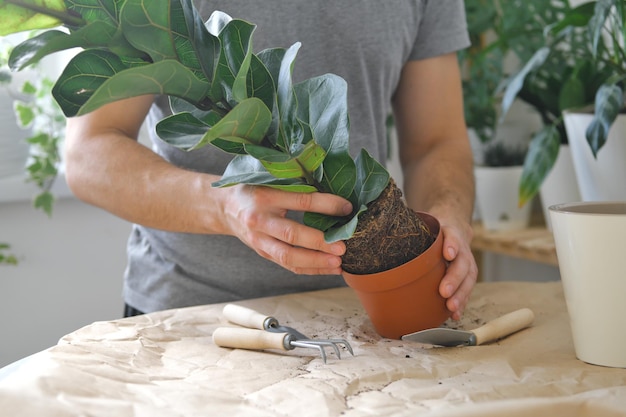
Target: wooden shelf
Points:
(535, 243)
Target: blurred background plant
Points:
(506, 37)
(580, 62)
(38, 113)
(6, 258)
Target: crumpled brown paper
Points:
(165, 364)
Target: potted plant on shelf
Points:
(504, 34)
(581, 69)
(284, 135)
(497, 179)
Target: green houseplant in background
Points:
(284, 135)
(580, 63)
(36, 112)
(503, 33)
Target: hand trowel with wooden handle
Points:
(493, 330)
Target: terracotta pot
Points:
(405, 299)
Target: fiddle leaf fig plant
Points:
(284, 135)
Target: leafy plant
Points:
(501, 33)
(501, 154)
(38, 113)
(6, 258)
(581, 63)
(284, 135)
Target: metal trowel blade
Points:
(442, 337)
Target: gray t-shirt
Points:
(366, 42)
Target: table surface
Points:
(165, 364)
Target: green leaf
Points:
(260, 82)
(234, 61)
(17, 19)
(339, 175)
(244, 169)
(149, 26)
(182, 130)
(609, 101)
(542, 153)
(602, 11)
(290, 132)
(44, 201)
(576, 17)
(246, 123)
(83, 75)
(165, 77)
(301, 165)
(572, 93)
(25, 114)
(516, 82)
(323, 105)
(372, 178)
(345, 231)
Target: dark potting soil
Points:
(388, 235)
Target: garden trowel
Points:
(493, 330)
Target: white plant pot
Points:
(604, 178)
(589, 238)
(497, 198)
(560, 185)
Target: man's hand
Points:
(257, 216)
(456, 286)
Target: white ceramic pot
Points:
(560, 185)
(589, 238)
(604, 178)
(497, 198)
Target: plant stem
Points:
(67, 17)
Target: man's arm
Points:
(437, 163)
(107, 167)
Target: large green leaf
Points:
(323, 105)
(166, 77)
(290, 132)
(260, 82)
(542, 153)
(234, 61)
(150, 27)
(32, 50)
(205, 45)
(102, 11)
(83, 76)
(609, 102)
(246, 123)
(17, 18)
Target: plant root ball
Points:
(388, 235)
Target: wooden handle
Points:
(241, 338)
(504, 326)
(245, 317)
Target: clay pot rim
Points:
(395, 278)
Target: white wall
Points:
(69, 273)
